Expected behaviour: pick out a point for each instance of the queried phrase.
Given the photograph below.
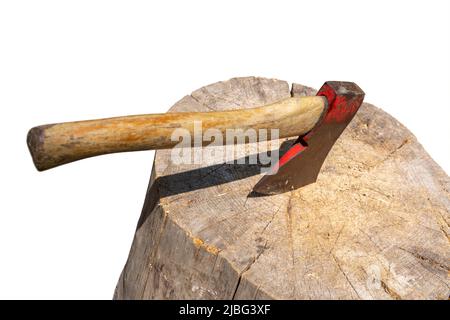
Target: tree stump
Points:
(375, 225)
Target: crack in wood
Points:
(248, 267)
(391, 292)
(345, 276)
(427, 260)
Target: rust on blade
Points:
(301, 164)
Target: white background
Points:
(65, 233)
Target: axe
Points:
(317, 120)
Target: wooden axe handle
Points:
(56, 144)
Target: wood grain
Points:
(374, 226)
(57, 144)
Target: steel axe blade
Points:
(301, 164)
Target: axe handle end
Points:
(34, 142)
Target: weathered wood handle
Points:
(56, 144)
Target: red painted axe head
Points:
(301, 164)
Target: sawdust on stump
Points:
(374, 226)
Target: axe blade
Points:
(301, 164)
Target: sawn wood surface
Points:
(375, 225)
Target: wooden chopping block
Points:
(375, 225)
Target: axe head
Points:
(301, 164)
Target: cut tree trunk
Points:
(375, 225)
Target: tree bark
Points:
(375, 225)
